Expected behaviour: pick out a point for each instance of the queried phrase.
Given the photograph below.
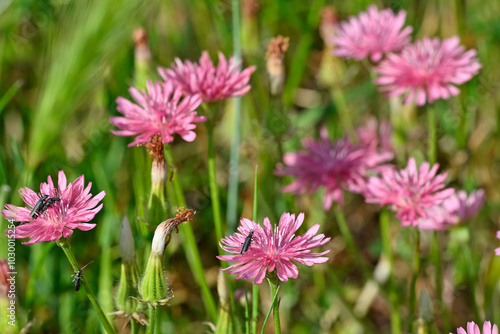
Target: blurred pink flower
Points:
(497, 250)
(455, 209)
(271, 250)
(75, 208)
(372, 33)
(205, 79)
(4, 277)
(409, 191)
(427, 70)
(334, 165)
(160, 111)
(472, 328)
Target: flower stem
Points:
(214, 190)
(274, 288)
(346, 234)
(234, 160)
(436, 259)
(393, 295)
(255, 288)
(152, 319)
(63, 243)
(189, 244)
(343, 111)
(431, 114)
(413, 285)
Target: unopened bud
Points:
(127, 245)
(154, 286)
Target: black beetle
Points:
(36, 209)
(247, 242)
(78, 277)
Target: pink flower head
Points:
(159, 110)
(427, 70)
(334, 165)
(212, 83)
(472, 328)
(270, 250)
(410, 191)
(75, 207)
(372, 33)
(455, 209)
(4, 277)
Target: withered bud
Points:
(329, 25)
(142, 51)
(165, 228)
(275, 68)
(250, 8)
(159, 166)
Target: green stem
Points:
(346, 234)
(471, 275)
(133, 326)
(436, 260)
(214, 190)
(274, 287)
(343, 110)
(189, 244)
(255, 288)
(413, 285)
(152, 319)
(393, 295)
(431, 113)
(63, 243)
(234, 160)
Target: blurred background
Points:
(63, 64)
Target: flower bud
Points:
(127, 287)
(154, 287)
(224, 320)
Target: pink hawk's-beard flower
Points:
(427, 70)
(159, 110)
(334, 165)
(373, 33)
(272, 248)
(409, 192)
(472, 328)
(455, 209)
(75, 208)
(212, 83)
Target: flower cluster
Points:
(169, 107)
(272, 248)
(424, 71)
(75, 207)
(336, 165)
(410, 191)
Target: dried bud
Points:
(157, 208)
(142, 51)
(275, 68)
(250, 8)
(224, 320)
(328, 26)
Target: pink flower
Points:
(427, 70)
(205, 79)
(334, 165)
(497, 250)
(270, 250)
(472, 328)
(372, 33)
(75, 207)
(160, 110)
(455, 209)
(409, 192)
